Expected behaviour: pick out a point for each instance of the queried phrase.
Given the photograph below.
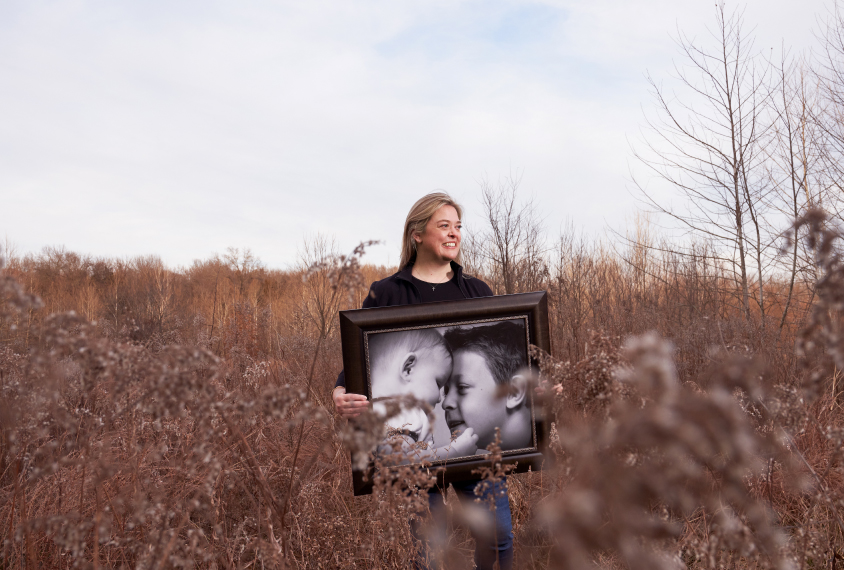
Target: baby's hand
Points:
(464, 444)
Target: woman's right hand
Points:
(348, 405)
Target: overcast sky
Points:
(179, 128)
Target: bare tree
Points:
(795, 159)
(706, 145)
(574, 275)
(471, 252)
(829, 118)
(244, 268)
(8, 252)
(320, 301)
(156, 285)
(513, 246)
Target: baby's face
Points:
(420, 374)
(413, 421)
(431, 374)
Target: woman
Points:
(430, 271)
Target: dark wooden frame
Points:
(355, 324)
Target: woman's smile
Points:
(441, 238)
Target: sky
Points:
(180, 128)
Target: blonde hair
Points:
(383, 347)
(418, 218)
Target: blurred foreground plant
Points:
(115, 454)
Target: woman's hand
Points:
(348, 405)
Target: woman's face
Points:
(441, 238)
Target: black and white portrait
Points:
(473, 377)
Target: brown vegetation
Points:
(155, 418)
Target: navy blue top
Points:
(402, 288)
(435, 292)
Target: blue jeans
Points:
(488, 547)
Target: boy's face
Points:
(471, 398)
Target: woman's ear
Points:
(408, 363)
(517, 392)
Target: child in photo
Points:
(486, 389)
(415, 363)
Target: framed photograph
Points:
(448, 374)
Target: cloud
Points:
(181, 128)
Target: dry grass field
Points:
(155, 418)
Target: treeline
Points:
(247, 313)
(225, 301)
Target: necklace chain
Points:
(435, 285)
